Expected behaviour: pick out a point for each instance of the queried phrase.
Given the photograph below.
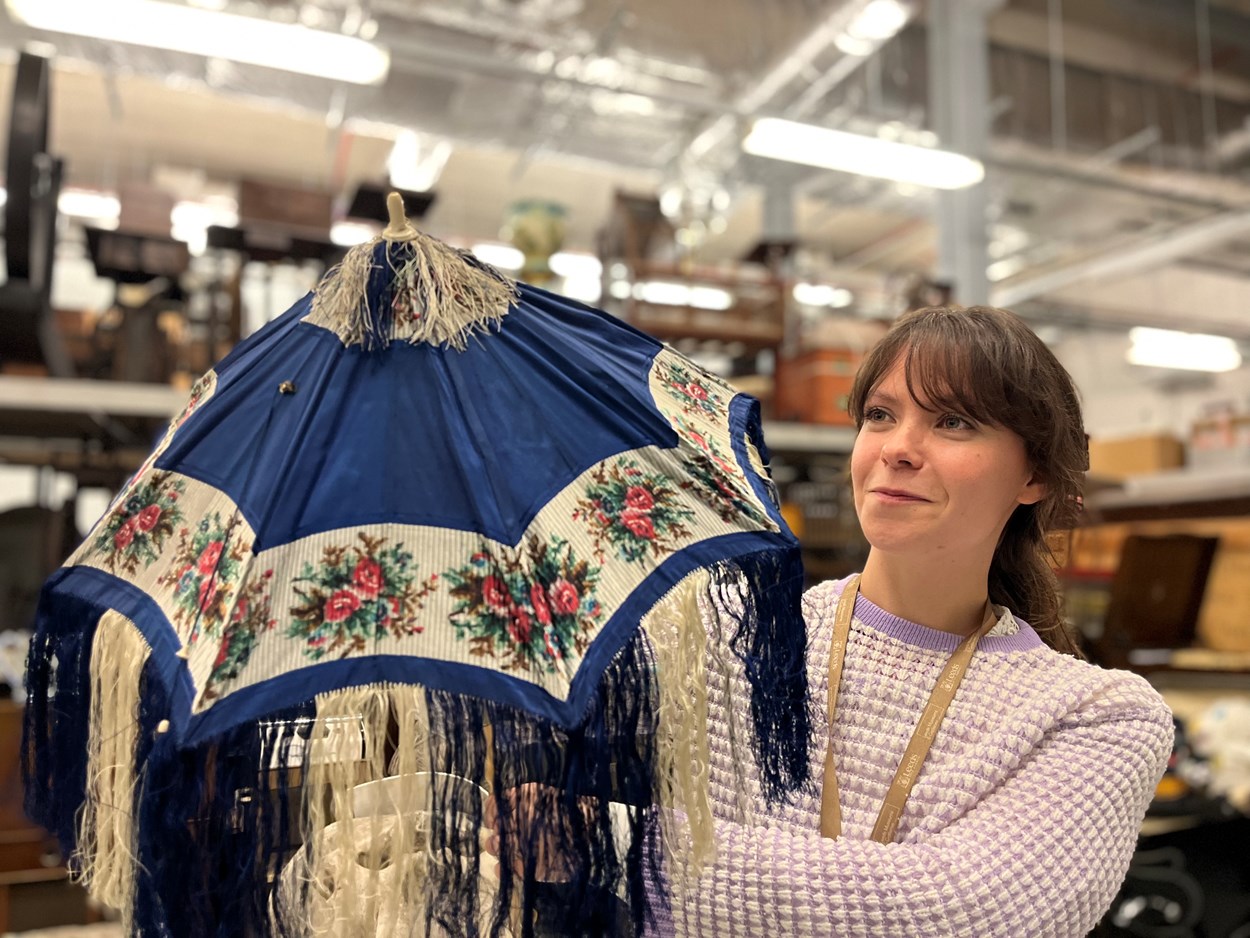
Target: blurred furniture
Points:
(1159, 898)
(1192, 503)
(98, 431)
(33, 182)
(28, 854)
(145, 269)
(753, 312)
(1155, 597)
(34, 541)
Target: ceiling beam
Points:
(1098, 50)
(1143, 255)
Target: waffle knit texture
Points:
(1022, 822)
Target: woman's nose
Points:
(903, 447)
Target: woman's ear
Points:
(1033, 491)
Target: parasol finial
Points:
(406, 285)
(399, 229)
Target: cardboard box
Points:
(1220, 442)
(813, 387)
(1224, 622)
(1135, 455)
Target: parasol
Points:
(430, 525)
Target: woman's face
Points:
(928, 481)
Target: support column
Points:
(959, 113)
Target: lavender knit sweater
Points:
(1021, 824)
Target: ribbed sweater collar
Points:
(921, 636)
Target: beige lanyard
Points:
(909, 768)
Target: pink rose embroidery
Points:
(564, 598)
(207, 594)
(367, 577)
(538, 599)
(208, 559)
(148, 517)
(519, 626)
(638, 497)
(696, 391)
(341, 605)
(639, 523)
(126, 534)
(496, 595)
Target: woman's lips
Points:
(898, 496)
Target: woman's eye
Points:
(873, 414)
(955, 422)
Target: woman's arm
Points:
(1042, 855)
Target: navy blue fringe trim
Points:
(217, 824)
(763, 593)
(57, 716)
(564, 782)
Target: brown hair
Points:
(988, 365)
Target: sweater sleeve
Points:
(1042, 855)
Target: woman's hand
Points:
(541, 831)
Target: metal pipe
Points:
(1058, 78)
(1142, 255)
(1202, 13)
(763, 90)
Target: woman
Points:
(1039, 766)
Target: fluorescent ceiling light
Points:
(347, 234)
(879, 20)
(1007, 267)
(821, 294)
(83, 203)
(189, 221)
(865, 156)
(669, 293)
(710, 298)
(586, 289)
(860, 48)
(417, 160)
(662, 292)
(572, 265)
(247, 39)
(503, 256)
(1194, 351)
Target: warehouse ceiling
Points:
(1118, 126)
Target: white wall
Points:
(1122, 399)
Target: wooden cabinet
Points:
(27, 853)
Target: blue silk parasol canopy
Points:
(434, 528)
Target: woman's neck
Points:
(947, 597)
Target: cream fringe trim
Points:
(440, 297)
(105, 855)
(677, 634)
(365, 874)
